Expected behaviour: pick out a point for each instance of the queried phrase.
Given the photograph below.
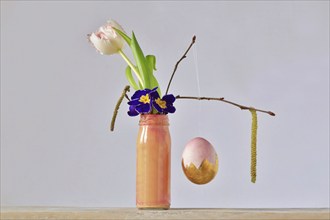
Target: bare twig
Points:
(115, 112)
(177, 64)
(242, 107)
(126, 96)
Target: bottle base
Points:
(154, 207)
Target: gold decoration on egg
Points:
(204, 174)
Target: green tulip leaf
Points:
(141, 86)
(141, 62)
(154, 83)
(152, 61)
(130, 78)
(123, 35)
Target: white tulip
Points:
(106, 40)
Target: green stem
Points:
(135, 70)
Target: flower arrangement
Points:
(147, 98)
(108, 40)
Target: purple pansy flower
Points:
(141, 102)
(132, 111)
(165, 104)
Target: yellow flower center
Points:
(161, 103)
(144, 99)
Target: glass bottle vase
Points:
(153, 162)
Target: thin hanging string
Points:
(198, 90)
(197, 71)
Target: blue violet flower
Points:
(165, 104)
(143, 101)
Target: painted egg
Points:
(199, 161)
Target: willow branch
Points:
(126, 96)
(115, 112)
(177, 64)
(222, 99)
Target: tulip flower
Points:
(106, 40)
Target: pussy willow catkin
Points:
(254, 145)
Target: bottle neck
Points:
(153, 119)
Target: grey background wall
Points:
(58, 94)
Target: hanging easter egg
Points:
(199, 161)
